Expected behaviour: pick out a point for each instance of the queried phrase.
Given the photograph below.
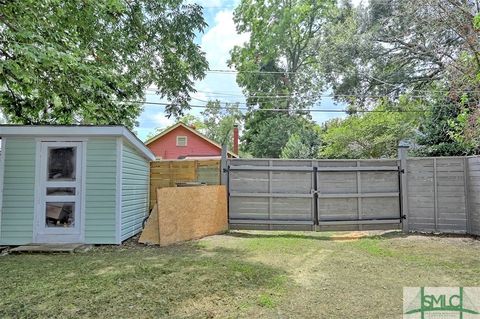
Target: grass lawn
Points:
(237, 275)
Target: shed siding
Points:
(18, 191)
(100, 197)
(135, 183)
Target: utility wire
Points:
(331, 95)
(290, 110)
(286, 96)
(274, 98)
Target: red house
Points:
(180, 141)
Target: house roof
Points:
(77, 130)
(180, 124)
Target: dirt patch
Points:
(356, 235)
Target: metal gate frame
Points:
(316, 195)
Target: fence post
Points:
(402, 157)
(223, 166)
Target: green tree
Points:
(390, 48)
(374, 134)
(274, 134)
(279, 65)
(450, 128)
(303, 144)
(429, 50)
(219, 121)
(193, 121)
(90, 61)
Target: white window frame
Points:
(43, 234)
(182, 137)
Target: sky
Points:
(217, 40)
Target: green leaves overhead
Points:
(390, 48)
(68, 62)
(278, 67)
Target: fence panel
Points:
(473, 176)
(437, 194)
(363, 196)
(272, 193)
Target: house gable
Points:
(165, 146)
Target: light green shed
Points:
(72, 184)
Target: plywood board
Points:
(186, 213)
(151, 234)
(169, 173)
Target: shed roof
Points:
(77, 130)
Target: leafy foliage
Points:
(371, 135)
(449, 129)
(193, 121)
(279, 66)
(303, 144)
(395, 47)
(275, 132)
(429, 50)
(219, 120)
(283, 47)
(68, 62)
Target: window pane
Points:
(60, 191)
(181, 141)
(60, 215)
(61, 163)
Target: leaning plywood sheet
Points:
(169, 173)
(186, 213)
(150, 234)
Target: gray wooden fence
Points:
(314, 194)
(440, 194)
(437, 194)
(473, 194)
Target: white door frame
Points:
(43, 234)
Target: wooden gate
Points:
(314, 194)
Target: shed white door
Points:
(59, 208)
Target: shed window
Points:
(60, 214)
(181, 141)
(61, 163)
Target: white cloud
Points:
(207, 3)
(161, 120)
(358, 2)
(220, 39)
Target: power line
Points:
(356, 95)
(227, 71)
(290, 110)
(396, 86)
(266, 98)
